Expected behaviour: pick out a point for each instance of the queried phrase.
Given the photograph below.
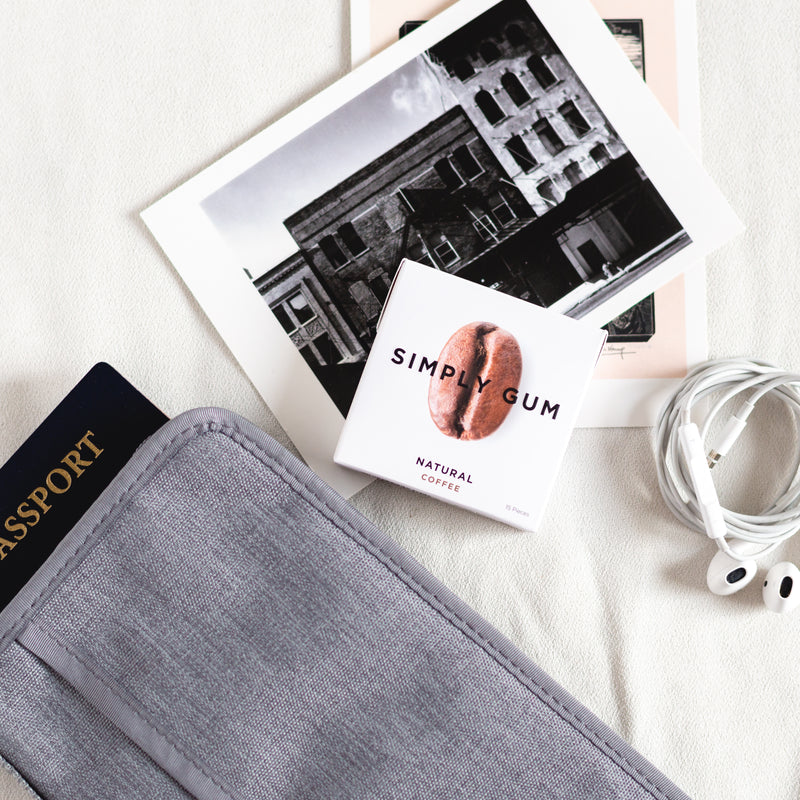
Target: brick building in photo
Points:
(307, 313)
(527, 102)
(440, 197)
(556, 145)
(542, 124)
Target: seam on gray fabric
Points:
(93, 684)
(250, 445)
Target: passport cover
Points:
(220, 624)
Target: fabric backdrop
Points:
(105, 106)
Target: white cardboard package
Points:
(469, 395)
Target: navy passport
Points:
(61, 469)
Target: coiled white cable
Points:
(684, 469)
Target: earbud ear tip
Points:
(781, 589)
(727, 575)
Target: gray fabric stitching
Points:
(29, 641)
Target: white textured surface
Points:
(105, 106)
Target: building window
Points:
(515, 35)
(502, 211)
(547, 190)
(576, 121)
(321, 351)
(447, 172)
(549, 138)
(446, 253)
(463, 69)
(467, 163)
(488, 105)
(489, 52)
(405, 200)
(591, 254)
(352, 241)
(301, 308)
(540, 70)
(309, 356)
(600, 155)
(333, 252)
(379, 286)
(486, 228)
(573, 173)
(520, 153)
(287, 323)
(419, 253)
(514, 88)
(293, 312)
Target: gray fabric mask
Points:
(221, 624)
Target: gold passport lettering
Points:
(57, 482)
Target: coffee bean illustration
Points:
(468, 403)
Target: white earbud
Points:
(782, 588)
(727, 574)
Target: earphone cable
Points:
(684, 472)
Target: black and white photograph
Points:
(637, 324)
(484, 154)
